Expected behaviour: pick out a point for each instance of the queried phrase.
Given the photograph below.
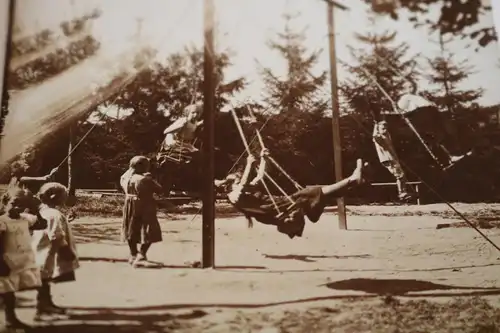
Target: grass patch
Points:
(112, 205)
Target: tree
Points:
(299, 103)
(455, 18)
(447, 74)
(390, 64)
(300, 89)
(386, 61)
(155, 99)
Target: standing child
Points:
(389, 159)
(55, 248)
(20, 180)
(140, 223)
(18, 267)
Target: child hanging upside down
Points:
(428, 121)
(288, 217)
(388, 157)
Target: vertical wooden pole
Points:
(208, 215)
(337, 148)
(6, 41)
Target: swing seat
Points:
(179, 154)
(453, 164)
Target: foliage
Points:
(448, 74)
(300, 89)
(54, 63)
(395, 70)
(296, 130)
(455, 17)
(386, 62)
(155, 99)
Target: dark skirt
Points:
(140, 223)
(287, 217)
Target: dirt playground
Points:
(387, 273)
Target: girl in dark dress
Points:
(140, 223)
(288, 217)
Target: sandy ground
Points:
(329, 280)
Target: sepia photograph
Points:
(279, 166)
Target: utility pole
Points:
(337, 146)
(208, 215)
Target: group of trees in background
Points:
(294, 117)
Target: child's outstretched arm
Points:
(261, 171)
(176, 126)
(248, 169)
(42, 179)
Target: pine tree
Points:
(300, 89)
(390, 64)
(448, 74)
(385, 60)
(300, 102)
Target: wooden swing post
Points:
(208, 214)
(337, 146)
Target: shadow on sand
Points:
(111, 321)
(162, 318)
(404, 287)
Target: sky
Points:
(244, 26)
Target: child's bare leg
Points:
(355, 179)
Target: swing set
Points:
(281, 214)
(403, 115)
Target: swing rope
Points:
(247, 148)
(268, 176)
(270, 158)
(103, 115)
(431, 188)
(259, 137)
(129, 80)
(396, 109)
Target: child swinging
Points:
(289, 218)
